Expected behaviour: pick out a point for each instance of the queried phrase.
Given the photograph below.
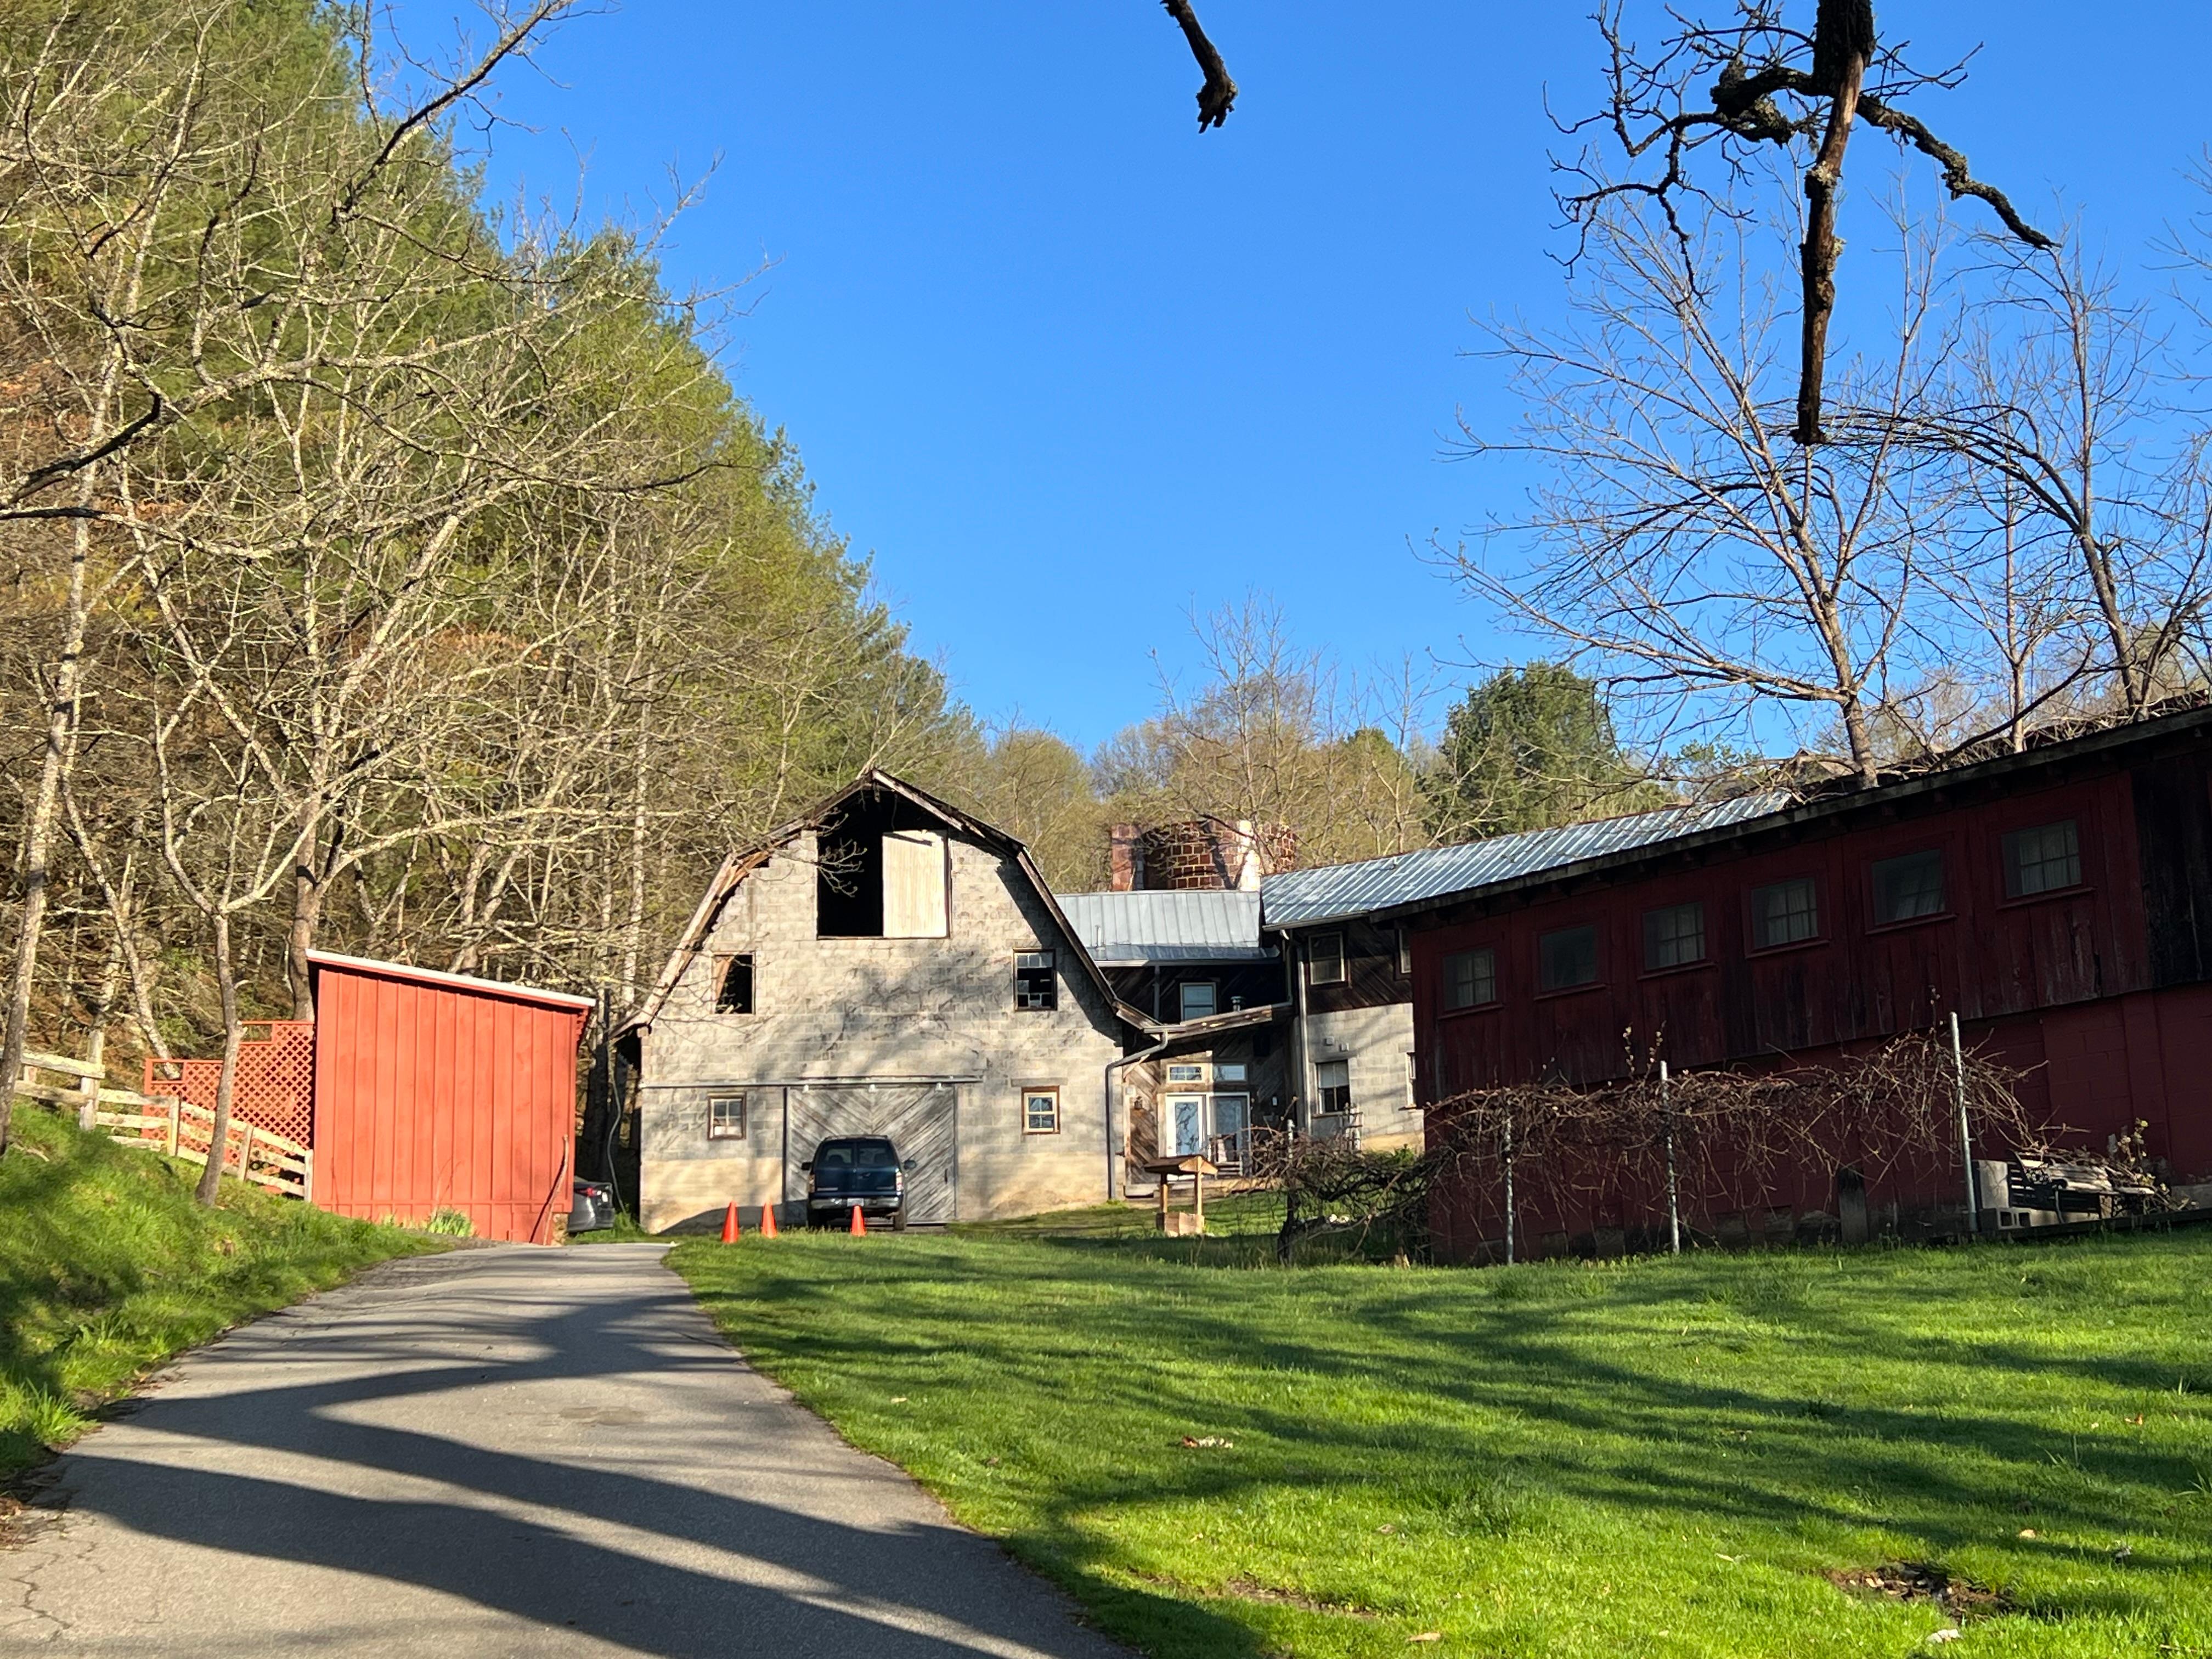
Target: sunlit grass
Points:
(107, 1266)
(1665, 1458)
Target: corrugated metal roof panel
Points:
(1299, 896)
(1124, 928)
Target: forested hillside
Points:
(384, 574)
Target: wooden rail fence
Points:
(166, 1123)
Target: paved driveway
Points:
(502, 1451)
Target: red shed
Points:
(436, 1091)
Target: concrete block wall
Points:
(1376, 1042)
(852, 1010)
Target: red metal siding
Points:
(434, 1096)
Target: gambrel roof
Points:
(742, 863)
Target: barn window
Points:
(1783, 914)
(1908, 887)
(1035, 985)
(1405, 954)
(1325, 959)
(2043, 859)
(1675, 936)
(1567, 959)
(1332, 1085)
(1229, 1072)
(1041, 1111)
(1186, 1073)
(1471, 979)
(726, 1117)
(733, 986)
(1198, 999)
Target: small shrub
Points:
(449, 1223)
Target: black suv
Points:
(853, 1173)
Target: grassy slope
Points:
(107, 1266)
(1651, 1458)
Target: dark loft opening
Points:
(881, 871)
(734, 995)
(849, 886)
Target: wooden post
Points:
(176, 1105)
(1673, 1194)
(245, 1156)
(1163, 1178)
(88, 1111)
(1198, 1199)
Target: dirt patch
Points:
(1919, 1581)
(1245, 1590)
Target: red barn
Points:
(2059, 900)
(436, 1092)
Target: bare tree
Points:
(1776, 85)
(1682, 547)
(136, 245)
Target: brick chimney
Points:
(1125, 858)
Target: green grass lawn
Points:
(1648, 1458)
(107, 1266)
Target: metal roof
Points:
(1297, 897)
(1125, 930)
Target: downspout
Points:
(1114, 1154)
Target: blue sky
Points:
(1068, 369)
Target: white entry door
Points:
(1198, 1124)
(1184, 1125)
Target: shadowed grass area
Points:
(107, 1266)
(1559, 1461)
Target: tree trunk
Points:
(233, 1033)
(38, 829)
(1823, 182)
(307, 891)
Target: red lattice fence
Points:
(276, 1088)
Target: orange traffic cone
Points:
(768, 1221)
(859, 1223)
(731, 1231)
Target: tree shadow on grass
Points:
(1533, 1385)
(579, 1537)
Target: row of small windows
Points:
(726, 1114)
(1036, 983)
(2044, 859)
(1036, 987)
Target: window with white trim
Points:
(1325, 959)
(1041, 1111)
(726, 1117)
(1332, 1085)
(1199, 998)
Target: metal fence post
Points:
(1966, 1132)
(1673, 1194)
(1509, 1189)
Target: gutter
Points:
(1115, 1152)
